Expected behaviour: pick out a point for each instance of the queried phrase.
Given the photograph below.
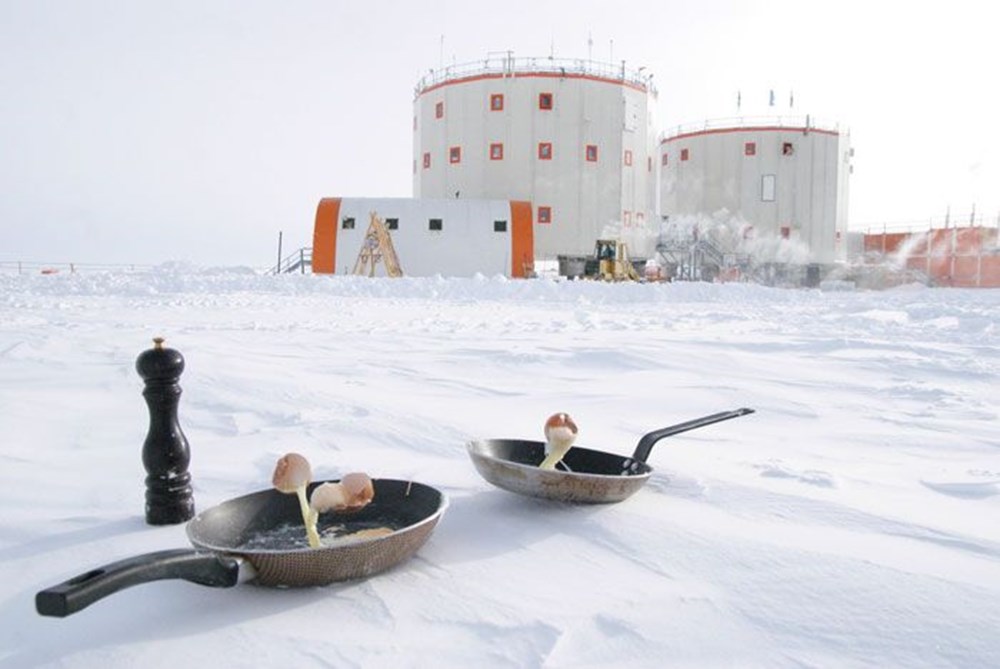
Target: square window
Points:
(392, 224)
(455, 154)
(439, 110)
(545, 151)
(496, 151)
(427, 161)
(628, 157)
(787, 149)
(750, 149)
(786, 232)
(684, 154)
(545, 101)
(347, 223)
(435, 224)
(496, 102)
(663, 159)
(545, 214)
(591, 153)
(499, 226)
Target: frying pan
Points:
(594, 477)
(231, 545)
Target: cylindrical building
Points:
(574, 137)
(786, 177)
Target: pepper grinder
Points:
(165, 453)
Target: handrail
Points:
(737, 122)
(297, 260)
(508, 65)
(38, 267)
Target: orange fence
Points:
(961, 257)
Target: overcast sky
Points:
(140, 131)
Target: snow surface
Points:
(853, 521)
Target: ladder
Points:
(375, 247)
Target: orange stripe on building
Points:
(324, 253)
(522, 239)
(750, 128)
(531, 75)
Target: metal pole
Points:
(277, 269)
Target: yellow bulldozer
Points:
(613, 263)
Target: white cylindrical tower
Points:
(786, 177)
(571, 136)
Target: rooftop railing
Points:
(506, 64)
(735, 122)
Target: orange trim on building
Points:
(532, 75)
(749, 128)
(324, 253)
(522, 239)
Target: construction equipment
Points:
(613, 263)
(377, 247)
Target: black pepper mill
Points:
(165, 453)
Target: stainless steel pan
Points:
(259, 537)
(592, 477)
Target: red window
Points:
(427, 161)
(439, 110)
(684, 154)
(786, 232)
(545, 100)
(545, 214)
(787, 149)
(496, 102)
(628, 157)
(750, 149)
(455, 154)
(663, 160)
(545, 151)
(592, 153)
(496, 151)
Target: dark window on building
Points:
(628, 157)
(591, 153)
(496, 151)
(663, 160)
(545, 214)
(392, 224)
(347, 223)
(787, 149)
(786, 232)
(427, 161)
(435, 224)
(496, 102)
(750, 149)
(684, 154)
(649, 163)
(545, 151)
(455, 154)
(499, 226)
(545, 100)
(439, 110)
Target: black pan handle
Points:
(220, 571)
(647, 442)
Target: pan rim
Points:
(443, 504)
(471, 448)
